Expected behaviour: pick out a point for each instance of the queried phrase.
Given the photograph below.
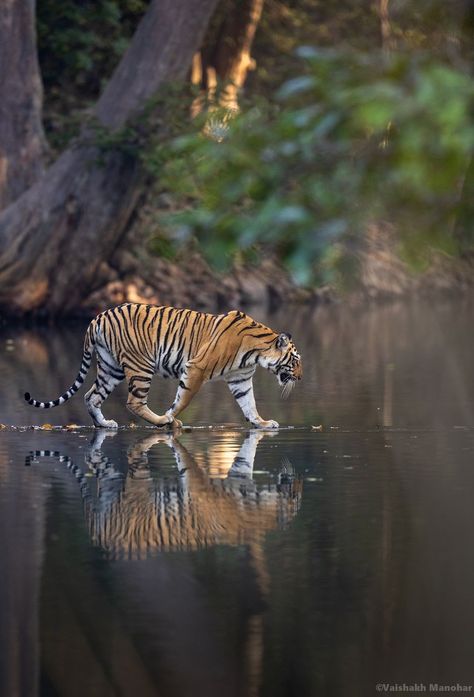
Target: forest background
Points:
(223, 152)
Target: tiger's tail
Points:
(89, 346)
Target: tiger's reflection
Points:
(211, 499)
(136, 514)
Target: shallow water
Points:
(231, 562)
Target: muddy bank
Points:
(190, 282)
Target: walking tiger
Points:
(136, 341)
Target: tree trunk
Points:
(388, 43)
(22, 141)
(226, 56)
(53, 238)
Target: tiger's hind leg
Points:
(108, 377)
(190, 382)
(138, 389)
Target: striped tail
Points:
(85, 365)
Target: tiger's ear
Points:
(283, 340)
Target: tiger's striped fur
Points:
(135, 341)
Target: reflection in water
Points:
(372, 580)
(136, 514)
(22, 528)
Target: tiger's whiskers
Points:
(287, 388)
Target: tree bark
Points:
(388, 43)
(22, 142)
(53, 238)
(226, 58)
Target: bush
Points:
(355, 138)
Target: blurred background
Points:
(232, 153)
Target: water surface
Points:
(230, 562)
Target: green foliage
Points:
(147, 135)
(79, 44)
(443, 28)
(358, 137)
(162, 247)
(80, 41)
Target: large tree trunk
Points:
(22, 141)
(226, 55)
(53, 238)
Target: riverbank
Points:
(188, 281)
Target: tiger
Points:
(134, 341)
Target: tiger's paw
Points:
(267, 424)
(108, 423)
(172, 421)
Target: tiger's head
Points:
(282, 359)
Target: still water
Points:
(230, 562)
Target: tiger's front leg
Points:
(241, 387)
(190, 381)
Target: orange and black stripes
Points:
(136, 341)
